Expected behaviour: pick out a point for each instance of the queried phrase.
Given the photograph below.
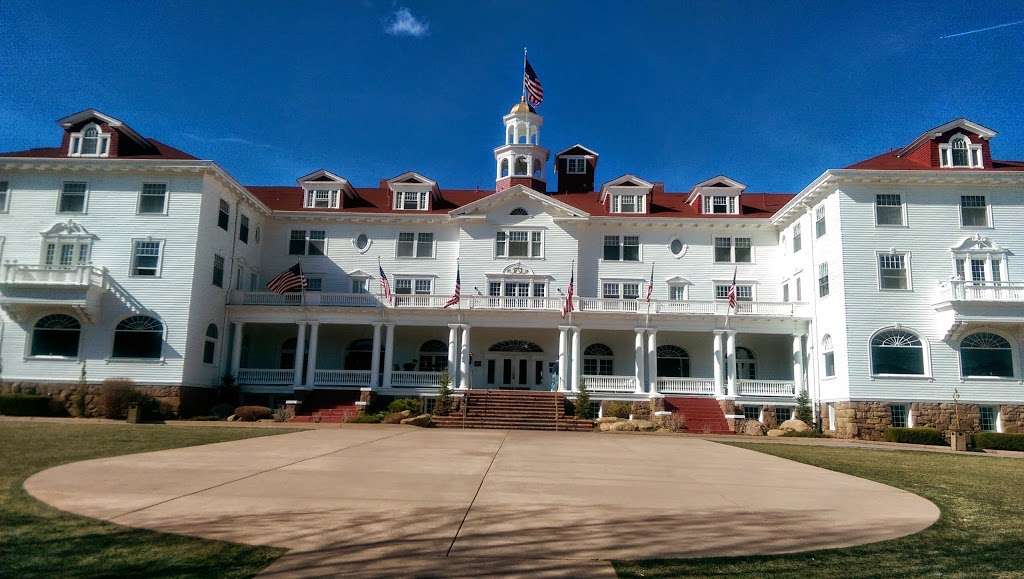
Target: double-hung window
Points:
(622, 248)
(627, 290)
(417, 245)
(243, 229)
(411, 200)
(732, 250)
(744, 292)
(146, 257)
(819, 221)
(888, 209)
(623, 203)
(973, 211)
(218, 270)
(223, 215)
(677, 292)
(321, 199)
(822, 279)
(314, 284)
(797, 239)
(893, 272)
(301, 244)
(4, 196)
(72, 197)
(409, 285)
(575, 165)
(519, 243)
(153, 198)
(720, 204)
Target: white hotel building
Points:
(880, 287)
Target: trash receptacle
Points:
(134, 414)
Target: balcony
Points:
(985, 291)
(961, 304)
(80, 288)
(584, 305)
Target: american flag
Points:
(650, 284)
(568, 307)
(732, 291)
(534, 91)
(458, 289)
(288, 280)
(385, 285)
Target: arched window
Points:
(537, 165)
(897, 351)
(210, 344)
(433, 356)
(520, 167)
(518, 211)
(359, 354)
(534, 136)
(504, 167)
(986, 354)
(516, 346)
(90, 141)
(287, 358)
(598, 360)
(959, 151)
(56, 335)
(523, 129)
(509, 136)
(746, 366)
(138, 337)
(673, 362)
(828, 356)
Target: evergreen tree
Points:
(583, 402)
(803, 407)
(444, 396)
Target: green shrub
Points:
(582, 404)
(367, 419)
(999, 441)
(115, 397)
(24, 405)
(413, 405)
(803, 407)
(804, 434)
(617, 409)
(252, 413)
(916, 436)
(221, 411)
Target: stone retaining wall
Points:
(869, 420)
(83, 400)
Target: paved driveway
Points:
(408, 501)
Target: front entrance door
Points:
(515, 372)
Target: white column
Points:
(300, 353)
(652, 361)
(577, 360)
(798, 364)
(730, 359)
(453, 353)
(236, 350)
(375, 357)
(563, 358)
(464, 359)
(719, 352)
(389, 352)
(314, 333)
(638, 360)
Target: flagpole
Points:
(524, 73)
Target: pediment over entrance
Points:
(978, 244)
(68, 228)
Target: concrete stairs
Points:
(702, 415)
(328, 406)
(514, 409)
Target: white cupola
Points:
(521, 159)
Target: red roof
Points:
(158, 151)
(377, 200)
(891, 161)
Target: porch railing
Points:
(514, 303)
(308, 298)
(265, 376)
(416, 379)
(341, 378)
(766, 387)
(686, 385)
(985, 291)
(51, 275)
(609, 383)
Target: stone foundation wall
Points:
(869, 420)
(729, 407)
(83, 400)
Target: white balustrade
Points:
(766, 387)
(341, 378)
(348, 300)
(261, 376)
(985, 291)
(686, 385)
(686, 307)
(513, 303)
(420, 301)
(72, 275)
(609, 383)
(266, 298)
(416, 379)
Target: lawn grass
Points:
(39, 541)
(980, 532)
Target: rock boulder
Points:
(753, 428)
(776, 432)
(421, 420)
(795, 425)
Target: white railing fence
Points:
(72, 275)
(985, 291)
(765, 387)
(259, 376)
(686, 385)
(609, 383)
(341, 378)
(416, 379)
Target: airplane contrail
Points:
(982, 29)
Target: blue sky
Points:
(770, 93)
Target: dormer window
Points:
(720, 204)
(89, 143)
(575, 165)
(322, 198)
(628, 203)
(411, 200)
(960, 152)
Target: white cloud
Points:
(403, 23)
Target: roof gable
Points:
(577, 149)
(481, 206)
